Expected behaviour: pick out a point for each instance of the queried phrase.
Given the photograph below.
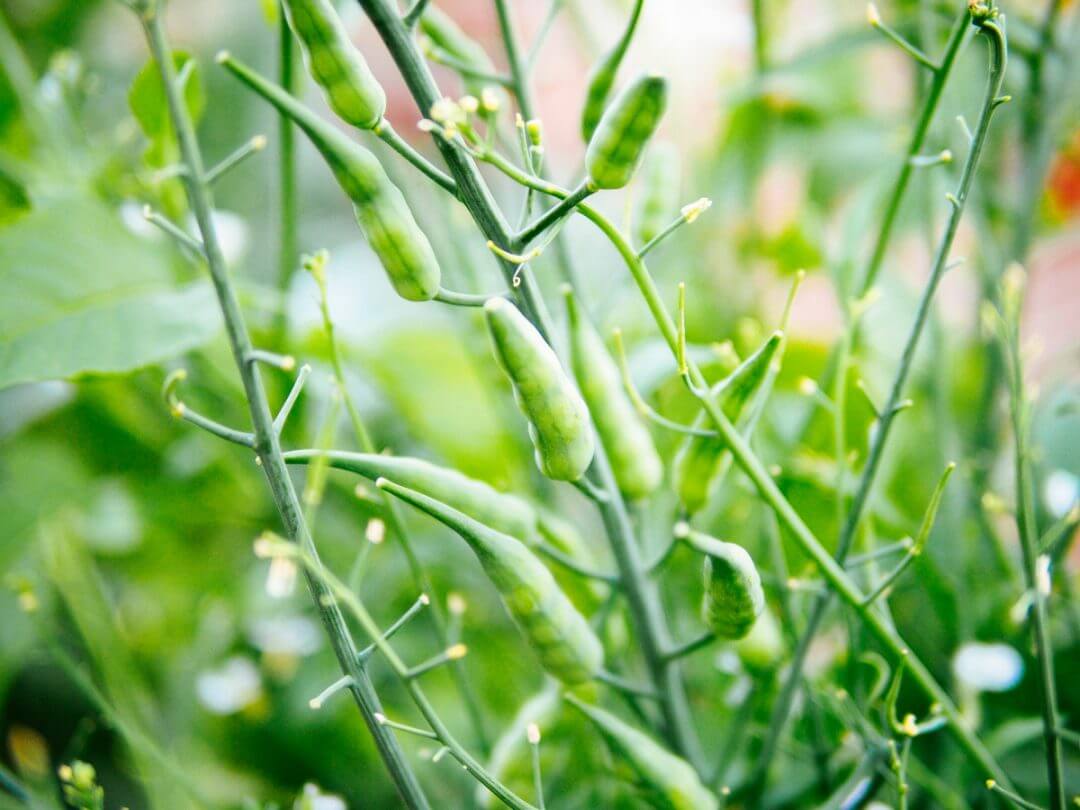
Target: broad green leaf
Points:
(147, 96)
(80, 295)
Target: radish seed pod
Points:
(567, 647)
(558, 418)
(669, 781)
(602, 76)
(629, 445)
(699, 458)
(733, 596)
(501, 511)
(625, 128)
(335, 64)
(381, 210)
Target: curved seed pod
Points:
(658, 197)
(558, 419)
(335, 63)
(634, 460)
(618, 143)
(381, 210)
(501, 511)
(698, 459)
(733, 595)
(602, 77)
(762, 649)
(567, 647)
(669, 781)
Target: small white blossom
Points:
(230, 688)
(988, 667)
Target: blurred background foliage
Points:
(136, 630)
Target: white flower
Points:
(988, 667)
(1061, 492)
(229, 688)
(314, 799)
(285, 635)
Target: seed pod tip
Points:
(532, 732)
(222, 57)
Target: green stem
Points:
(552, 215)
(642, 596)
(390, 137)
(288, 77)
(267, 447)
(1028, 533)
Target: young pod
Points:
(381, 210)
(446, 35)
(733, 596)
(501, 511)
(668, 781)
(565, 643)
(762, 649)
(699, 458)
(618, 143)
(335, 64)
(558, 419)
(629, 445)
(658, 193)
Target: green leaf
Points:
(14, 201)
(147, 101)
(82, 295)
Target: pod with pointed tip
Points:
(699, 458)
(629, 445)
(381, 210)
(625, 128)
(733, 596)
(562, 638)
(335, 64)
(602, 76)
(558, 418)
(501, 511)
(668, 780)
(658, 191)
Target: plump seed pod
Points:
(567, 647)
(658, 196)
(699, 458)
(558, 419)
(733, 595)
(501, 511)
(762, 649)
(335, 63)
(602, 77)
(629, 445)
(669, 781)
(618, 143)
(381, 210)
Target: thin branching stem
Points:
(267, 446)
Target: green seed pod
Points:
(602, 77)
(446, 35)
(381, 210)
(733, 595)
(567, 647)
(558, 419)
(629, 445)
(668, 781)
(618, 143)
(658, 196)
(699, 458)
(501, 511)
(762, 649)
(335, 63)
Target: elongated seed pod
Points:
(335, 63)
(558, 419)
(566, 645)
(658, 197)
(602, 77)
(501, 511)
(448, 36)
(618, 143)
(733, 596)
(629, 445)
(669, 781)
(699, 457)
(762, 649)
(381, 210)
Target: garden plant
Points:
(586, 516)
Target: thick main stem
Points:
(267, 447)
(641, 594)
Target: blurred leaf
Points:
(147, 100)
(14, 201)
(82, 295)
